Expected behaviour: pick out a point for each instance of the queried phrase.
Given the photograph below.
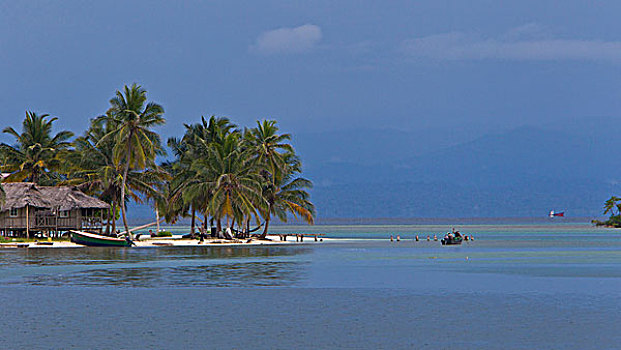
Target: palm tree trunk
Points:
(157, 218)
(35, 175)
(113, 217)
(267, 224)
(193, 221)
(124, 183)
(267, 221)
(108, 222)
(233, 226)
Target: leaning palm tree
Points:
(136, 145)
(285, 193)
(37, 154)
(611, 204)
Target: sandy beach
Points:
(169, 242)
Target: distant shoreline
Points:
(419, 221)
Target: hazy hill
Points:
(521, 172)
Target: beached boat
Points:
(452, 240)
(91, 239)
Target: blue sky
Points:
(316, 66)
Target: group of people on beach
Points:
(449, 235)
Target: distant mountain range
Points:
(526, 171)
(461, 171)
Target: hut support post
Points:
(56, 221)
(27, 222)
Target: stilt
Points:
(27, 222)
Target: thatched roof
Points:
(20, 194)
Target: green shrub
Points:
(613, 221)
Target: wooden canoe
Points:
(95, 240)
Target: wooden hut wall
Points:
(18, 222)
(44, 220)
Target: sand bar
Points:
(167, 242)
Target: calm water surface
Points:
(521, 287)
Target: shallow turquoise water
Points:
(520, 286)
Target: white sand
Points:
(174, 242)
(168, 241)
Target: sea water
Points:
(514, 287)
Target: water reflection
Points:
(220, 275)
(161, 267)
(102, 255)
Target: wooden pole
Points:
(141, 227)
(56, 221)
(27, 223)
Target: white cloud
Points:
(525, 43)
(288, 40)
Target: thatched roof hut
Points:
(32, 208)
(22, 194)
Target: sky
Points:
(315, 66)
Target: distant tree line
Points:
(221, 174)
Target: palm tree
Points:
(611, 204)
(190, 182)
(267, 146)
(93, 167)
(286, 193)
(168, 205)
(200, 136)
(136, 145)
(37, 153)
(231, 176)
(95, 171)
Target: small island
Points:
(613, 207)
(230, 181)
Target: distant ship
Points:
(553, 214)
